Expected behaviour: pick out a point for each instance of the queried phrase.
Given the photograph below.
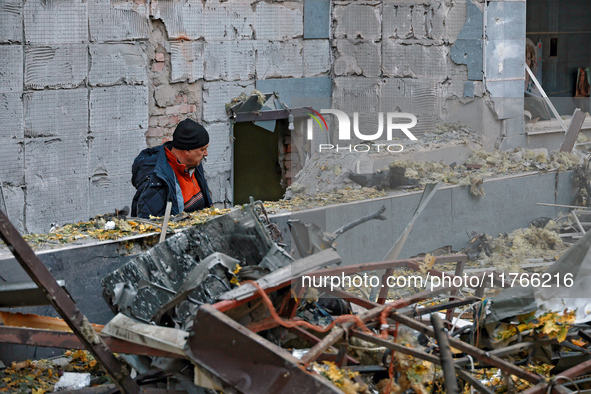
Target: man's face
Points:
(195, 156)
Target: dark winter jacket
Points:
(156, 184)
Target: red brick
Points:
(185, 98)
(178, 99)
(153, 121)
(174, 110)
(155, 132)
(184, 108)
(192, 108)
(288, 164)
(288, 174)
(159, 57)
(288, 148)
(156, 67)
(173, 120)
(287, 140)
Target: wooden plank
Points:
(572, 133)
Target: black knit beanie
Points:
(189, 135)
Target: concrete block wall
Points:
(74, 107)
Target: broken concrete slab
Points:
(182, 19)
(317, 58)
(11, 22)
(112, 64)
(62, 22)
(123, 107)
(117, 21)
(11, 68)
(187, 61)
(357, 58)
(357, 20)
(279, 59)
(229, 60)
(217, 94)
(278, 21)
(56, 113)
(56, 66)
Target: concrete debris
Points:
(72, 381)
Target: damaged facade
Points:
(86, 86)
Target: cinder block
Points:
(357, 58)
(11, 116)
(119, 108)
(219, 185)
(118, 21)
(217, 94)
(278, 21)
(112, 64)
(58, 23)
(63, 66)
(11, 22)
(415, 61)
(186, 61)
(358, 20)
(14, 198)
(396, 95)
(183, 19)
(279, 59)
(11, 68)
(70, 195)
(109, 192)
(62, 113)
(356, 94)
(316, 57)
(229, 61)
(12, 161)
(435, 22)
(52, 159)
(228, 20)
(112, 152)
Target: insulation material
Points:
(71, 196)
(56, 22)
(64, 66)
(357, 58)
(415, 61)
(356, 94)
(228, 20)
(12, 161)
(118, 20)
(112, 64)
(186, 58)
(397, 20)
(396, 95)
(183, 19)
(217, 94)
(455, 20)
(220, 150)
(229, 60)
(11, 23)
(50, 113)
(316, 57)
(14, 197)
(279, 21)
(11, 68)
(425, 124)
(279, 59)
(113, 152)
(358, 21)
(119, 108)
(316, 19)
(53, 159)
(11, 116)
(108, 192)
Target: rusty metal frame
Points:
(65, 306)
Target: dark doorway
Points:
(257, 167)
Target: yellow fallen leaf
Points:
(38, 391)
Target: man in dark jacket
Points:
(172, 172)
